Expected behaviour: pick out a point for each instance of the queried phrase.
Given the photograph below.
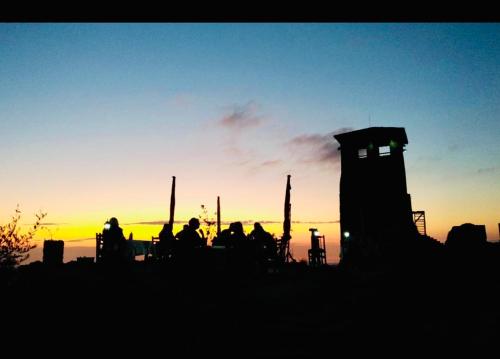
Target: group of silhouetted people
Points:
(259, 242)
(185, 241)
(259, 245)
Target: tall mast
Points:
(287, 210)
(284, 248)
(218, 216)
(172, 204)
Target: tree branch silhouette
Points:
(14, 245)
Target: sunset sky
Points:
(95, 119)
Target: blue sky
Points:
(112, 102)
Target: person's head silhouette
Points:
(257, 226)
(113, 222)
(194, 223)
(238, 227)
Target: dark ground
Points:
(148, 307)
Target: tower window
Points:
(384, 151)
(362, 153)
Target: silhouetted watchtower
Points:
(375, 208)
(317, 253)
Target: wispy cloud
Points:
(317, 148)
(241, 163)
(156, 222)
(254, 167)
(241, 117)
(244, 222)
(50, 224)
(429, 158)
(488, 170)
(79, 239)
(272, 163)
(252, 221)
(241, 133)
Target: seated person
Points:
(167, 241)
(237, 237)
(114, 242)
(222, 239)
(264, 241)
(189, 238)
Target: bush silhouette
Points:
(14, 246)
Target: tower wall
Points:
(375, 208)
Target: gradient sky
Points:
(96, 118)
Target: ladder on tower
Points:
(419, 220)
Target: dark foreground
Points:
(177, 312)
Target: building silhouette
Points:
(375, 208)
(466, 236)
(53, 252)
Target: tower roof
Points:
(378, 136)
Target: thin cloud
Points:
(458, 146)
(155, 223)
(241, 117)
(265, 166)
(241, 163)
(317, 222)
(317, 148)
(429, 158)
(248, 222)
(244, 222)
(271, 163)
(80, 239)
(186, 221)
(50, 224)
(487, 170)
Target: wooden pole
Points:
(172, 204)
(284, 247)
(218, 216)
(287, 211)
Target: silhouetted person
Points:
(189, 238)
(237, 236)
(114, 242)
(259, 234)
(167, 241)
(222, 239)
(264, 243)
